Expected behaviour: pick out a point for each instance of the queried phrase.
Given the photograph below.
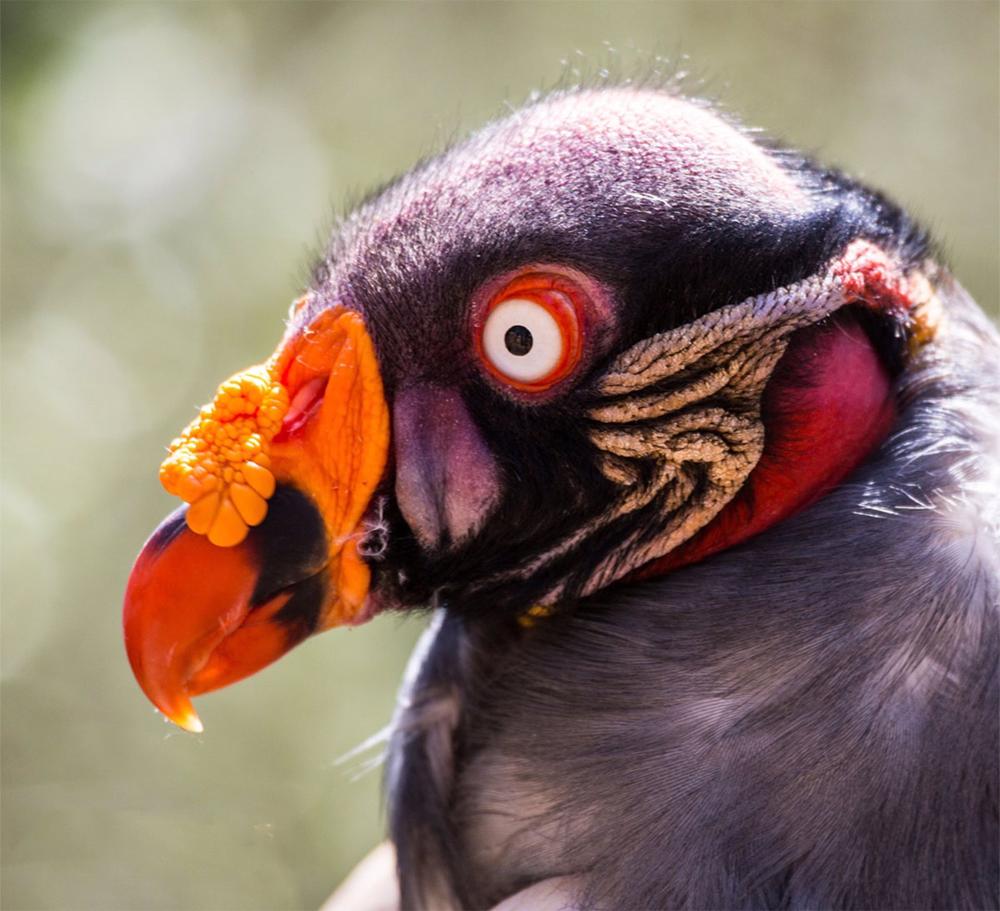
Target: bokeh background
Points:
(168, 172)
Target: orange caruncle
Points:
(219, 464)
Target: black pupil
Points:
(518, 340)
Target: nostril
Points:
(302, 406)
(374, 544)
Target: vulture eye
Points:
(530, 338)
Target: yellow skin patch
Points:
(537, 612)
(220, 465)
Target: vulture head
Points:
(605, 337)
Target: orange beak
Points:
(279, 472)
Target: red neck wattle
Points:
(827, 406)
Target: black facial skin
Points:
(412, 272)
(291, 550)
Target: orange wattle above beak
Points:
(279, 471)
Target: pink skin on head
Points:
(550, 165)
(661, 147)
(690, 151)
(664, 147)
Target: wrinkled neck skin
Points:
(808, 720)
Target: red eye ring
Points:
(561, 306)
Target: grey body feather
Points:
(808, 720)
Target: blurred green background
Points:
(168, 171)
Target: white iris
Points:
(525, 358)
